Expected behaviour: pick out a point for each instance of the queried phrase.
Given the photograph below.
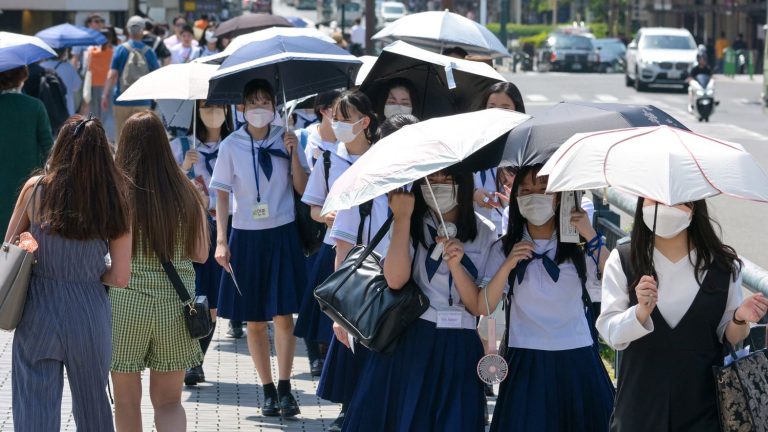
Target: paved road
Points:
(739, 118)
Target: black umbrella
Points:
(444, 85)
(248, 23)
(534, 141)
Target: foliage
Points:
(516, 31)
(608, 355)
(536, 40)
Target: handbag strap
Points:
(26, 207)
(178, 285)
(374, 241)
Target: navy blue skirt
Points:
(269, 267)
(208, 274)
(429, 383)
(554, 391)
(341, 372)
(312, 323)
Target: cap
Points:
(135, 21)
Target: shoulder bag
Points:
(311, 232)
(742, 398)
(197, 314)
(358, 298)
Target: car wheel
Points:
(639, 85)
(627, 80)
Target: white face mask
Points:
(259, 117)
(445, 195)
(345, 132)
(537, 209)
(670, 221)
(392, 109)
(212, 117)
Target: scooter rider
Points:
(701, 68)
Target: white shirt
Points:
(357, 35)
(234, 173)
(347, 222)
(544, 314)
(200, 168)
(172, 41)
(489, 185)
(180, 55)
(315, 145)
(437, 289)
(678, 287)
(316, 190)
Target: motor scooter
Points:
(701, 92)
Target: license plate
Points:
(673, 74)
(576, 66)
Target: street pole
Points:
(370, 25)
(504, 16)
(343, 17)
(554, 13)
(483, 12)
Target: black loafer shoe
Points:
(288, 406)
(200, 374)
(235, 332)
(270, 407)
(316, 368)
(336, 425)
(190, 377)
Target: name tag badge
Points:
(449, 318)
(260, 211)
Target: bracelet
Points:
(737, 321)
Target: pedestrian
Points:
(555, 370)
(203, 22)
(671, 326)
(355, 226)
(156, 42)
(148, 328)
(197, 155)
(97, 61)
(179, 23)
(261, 165)
(69, 76)
(131, 61)
(77, 213)
(739, 44)
(721, 44)
(319, 144)
(26, 137)
(209, 43)
(94, 22)
(429, 381)
(185, 52)
(357, 38)
(399, 97)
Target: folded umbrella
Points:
(440, 29)
(67, 35)
(473, 140)
(668, 165)
(262, 35)
(444, 85)
(248, 23)
(20, 50)
(296, 67)
(538, 139)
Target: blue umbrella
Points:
(295, 66)
(20, 50)
(298, 21)
(66, 35)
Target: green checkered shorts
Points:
(148, 329)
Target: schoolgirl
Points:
(429, 382)
(351, 227)
(197, 162)
(670, 300)
(398, 97)
(318, 137)
(260, 165)
(556, 378)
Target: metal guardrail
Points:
(755, 278)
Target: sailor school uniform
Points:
(555, 370)
(313, 144)
(486, 180)
(429, 382)
(264, 244)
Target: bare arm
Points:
(495, 288)
(108, 84)
(462, 280)
(342, 250)
(118, 274)
(19, 216)
(222, 242)
(203, 242)
(397, 266)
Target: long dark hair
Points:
(702, 238)
(395, 123)
(507, 88)
(392, 84)
(202, 131)
(517, 223)
(167, 209)
(467, 222)
(86, 195)
(360, 102)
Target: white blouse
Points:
(347, 222)
(678, 287)
(314, 145)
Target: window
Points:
(667, 42)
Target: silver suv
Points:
(660, 56)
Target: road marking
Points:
(606, 98)
(536, 98)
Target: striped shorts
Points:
(149, 332)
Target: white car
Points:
(659, 55)
(391, 11)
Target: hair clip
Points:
(81, 125)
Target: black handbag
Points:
(357, 297)
(741, 392)
(197, 313)
(311, 232)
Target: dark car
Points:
(568, 52)
(610, 52)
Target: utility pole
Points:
(554, 13)
(370, 25)
(503, 17)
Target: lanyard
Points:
(429, 252)
(255, 164)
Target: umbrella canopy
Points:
(296, 67)
(539, 138)
(187, 81)
(66, 35)
(438, 30)
(669, 165)
(473, 139)
(20, 50)
(299, 21)
(444, 85)
(262, 35)
(248, 23)
(368, 62)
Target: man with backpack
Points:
(46, 85)
(131, 61)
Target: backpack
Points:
(135, 67)
(53, 93)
